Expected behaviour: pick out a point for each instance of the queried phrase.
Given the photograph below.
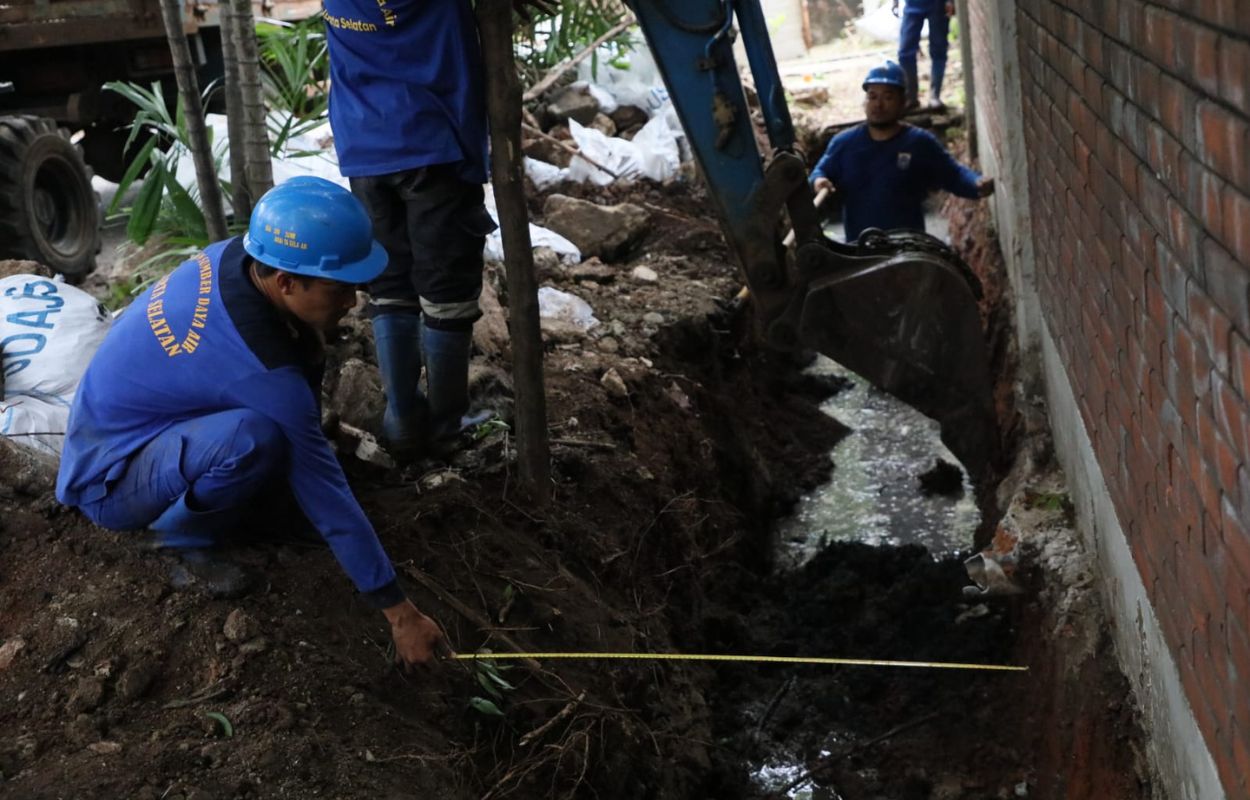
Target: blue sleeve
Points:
(828, 166)
(318, 482)
(947, 173)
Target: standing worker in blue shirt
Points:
(203, 402)
(915, 13)
(884, 169)
(408, 111)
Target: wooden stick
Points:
(549, 724)
(559, 69)
(463, 610)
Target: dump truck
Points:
(58, 125)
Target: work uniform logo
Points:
(904, 160)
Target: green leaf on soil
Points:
(227, 729)
(483, 706)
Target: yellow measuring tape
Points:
(853, 662)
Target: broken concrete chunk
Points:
(573, 101)
(239, 626)
(604, 231)
(644, 275)
(614, 384)
(11, 267)
(592, 270)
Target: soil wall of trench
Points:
(676, 445)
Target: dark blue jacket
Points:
(406, 86)
(884, 184)
(205, 340)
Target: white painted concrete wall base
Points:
(1176, 750)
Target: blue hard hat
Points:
(310, 226)
(887, 74)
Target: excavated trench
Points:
(677, 455)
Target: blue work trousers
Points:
(193, 483)
(909, 40)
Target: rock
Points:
(545, 150)
(11, 267)
(604, 124)
(573, 103)
(546, 263)
(644, 275)
(603, 231)
(84, 729)
(9, 651)
(653, 318)
(239, 626)
(358, 397)
(490, 333)
(105, 748)
(614, 384)
(609, 345)
(87, 695)
(135, 681)
(592, 270)
(810, 95)
(625, 117)
(25, 472)
(253, 646)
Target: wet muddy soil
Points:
(658, 538)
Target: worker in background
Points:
(202, 404)
(884, 169)
(915, 13)
(408, 113)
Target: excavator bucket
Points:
(908, 322)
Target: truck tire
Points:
(48, 211)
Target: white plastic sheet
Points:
(570, 309)
(539, 237)
(654, 153)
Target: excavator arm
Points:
(898, 308)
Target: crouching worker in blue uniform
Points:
(884, 169)
(204, 398)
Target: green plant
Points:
(296, 66)
(163, 204)
(552, 38)
(487, 674)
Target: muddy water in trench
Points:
(874, 495)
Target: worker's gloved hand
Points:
(985, 187)
(418, 639)
(524, 7)
(820, 184)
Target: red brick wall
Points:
(1137, 127)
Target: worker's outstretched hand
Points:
(820, 184)
(985, 187)
(418, 639)
(524, 7)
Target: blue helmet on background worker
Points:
(312, 227)
(887, 74)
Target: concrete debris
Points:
(358, 397)
(679, 398)
(564, 316)
(490, 333)
(543, 149)
(574, 101)
(990, 578)
(239, 626)
(645, 275)
(367, 447)
(608, 344)
(9, 651)
(546, 263)
(253, 646)
(438, 479)
(653, 318)
(604, 231)
(614, 384)
(135, 681)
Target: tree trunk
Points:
(189, 90)
(503, 99)
(256, 136)
(240, 198)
